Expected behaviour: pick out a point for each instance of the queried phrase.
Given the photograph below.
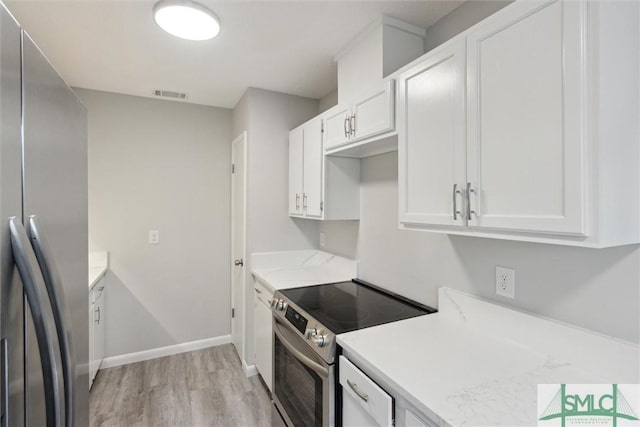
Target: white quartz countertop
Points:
(453, 370)
(95, 273)
(292, 269)
(98, 265)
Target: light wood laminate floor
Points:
(200, 388)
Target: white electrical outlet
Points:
(505, 282)
(321, 239)
(154, 237)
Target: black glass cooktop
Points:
(347, 306)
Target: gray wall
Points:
(268, 117)
(461, 18)
(598, 289)
(161, 165)
(328, 101)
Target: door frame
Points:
(240, 139)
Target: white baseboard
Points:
(249, 370)
(139, 356)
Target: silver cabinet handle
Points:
(346, 124)
(456, 212)
(360, 394)
(304, 201)
(297, 201)
(61, 312)
(469, 210)
(257, 290)
(98, 312)
(43, 319)
(352, 125)
(239, 262)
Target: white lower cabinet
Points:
(367, 401)
(364, 403)
(412, 420)
(96, 328)
(510, 132)
(263, 333)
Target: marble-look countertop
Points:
(95, 274)
(458, 370)
(292, 269)
(98, 265)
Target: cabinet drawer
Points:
(263, 293)
(373, 400)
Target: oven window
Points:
(298, 388)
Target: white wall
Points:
(268, 117)
(162, 165)
(598, 289)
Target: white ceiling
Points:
(285, 46)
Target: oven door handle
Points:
(305, 360)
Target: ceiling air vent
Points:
(170, 94)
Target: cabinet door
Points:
(263, 342)
(431, 138)
(295, 171)
(525, 119)
(98, 335)
(374, 113)
(312, 170)
(92, 366)
(364, 403)
(336, 127)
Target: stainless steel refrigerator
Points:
(44, 316)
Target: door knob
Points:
(239, 262)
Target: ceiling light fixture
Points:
(186, 19)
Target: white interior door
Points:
(431, 139)
(238, 239)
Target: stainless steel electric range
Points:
(305, 324)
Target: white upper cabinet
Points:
(295, 171)
(336, 126)
(525, 131)
(370, 115)
(312, 168)
(545, 146)
(320, 187)
(431, 135)
(373, 113)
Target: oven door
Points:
(303, 383)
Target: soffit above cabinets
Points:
(282, 46)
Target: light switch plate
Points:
(321, 239)
(154, 237)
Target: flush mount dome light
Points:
(186, 19)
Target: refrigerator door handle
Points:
(34, 288)
(60, 309)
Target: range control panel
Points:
(296, 319)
